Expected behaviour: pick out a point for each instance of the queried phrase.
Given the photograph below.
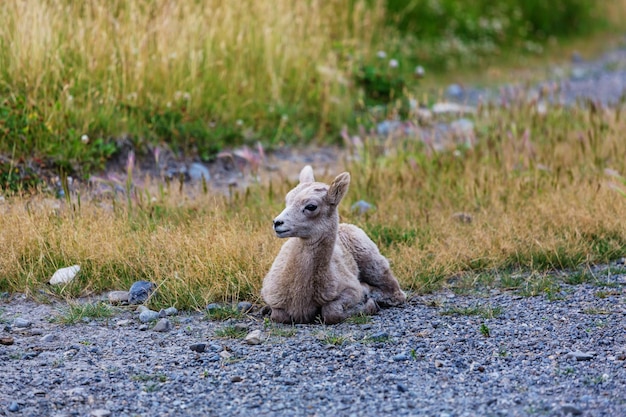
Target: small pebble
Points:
(213, 307)
(401, 357)
(21, 323)
(147, 316)
(124, 322)
(402, 388)
(14, 407)
(255, 337)
(244, 306)
(236, 378)
(6, 340)
(571, 409)
(100, 413)
(118, 297)
(140, 291)
(242, 327)
(171, 311)
(581, 356)
(164, 325)
(198, 347)
(49, 338)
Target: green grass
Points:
(333, 338)
(230, 332)
(487, 312)
(537, 186)
(359, 319)
(75, 313)
(223, 313)
(161, 78)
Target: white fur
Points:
(325, 268)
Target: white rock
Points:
(255, 337)
(64, 275)
(118, 297)
(445, 107)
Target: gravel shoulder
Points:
(542, 356)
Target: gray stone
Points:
(454, 91)
(147, 316)
(242, 327)
(14, 407)
(581, 356)
(124, 322)
(361, 207)
(578, 73)
(140, 291)
(21, 323)
(255, 337)
(198, 347)
(380, 336)
(213, 306)
(49, 338)
(118, 297)
(197, 171)
(171, 311)
(244, 306)
(401, 357)
(164, 325)
(571, 409)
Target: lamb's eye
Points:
(311, 207)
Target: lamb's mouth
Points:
(281, 233)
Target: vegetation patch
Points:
(487, 312)
(76, 313)
(231, 332)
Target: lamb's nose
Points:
(278, 223)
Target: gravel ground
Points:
(542, 356)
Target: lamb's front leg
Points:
(281, 316)
(349, 303)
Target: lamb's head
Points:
(311, 207)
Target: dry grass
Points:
(534, 185)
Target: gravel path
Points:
(432, 358)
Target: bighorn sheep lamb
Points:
(325, 268)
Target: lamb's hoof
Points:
(281, 316)
(395, 300)
(371, 307)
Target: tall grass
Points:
(201, 75)
(198, 74)
(534, 187)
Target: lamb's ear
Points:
(306, 175)
(338, 188)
